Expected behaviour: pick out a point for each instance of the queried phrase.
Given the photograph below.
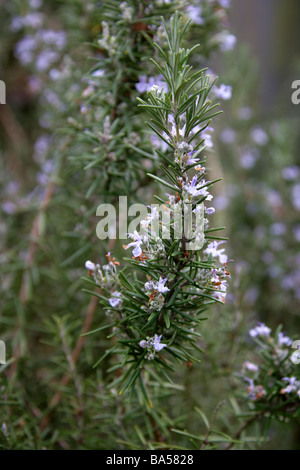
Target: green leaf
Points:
(165, 183)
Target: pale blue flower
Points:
(260, 330)
(161, 286)
(158, 346)
(115, 299)
(224, 92)
(213, 249)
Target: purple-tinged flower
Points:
(24, 49)
(248, 159)
(152, 345)
(212, 249)
(250, 366)
(159, 143)
(198, 189)
(115, 299)
(296, 196)
(142, 85)
(225, 3)
(290, 173)
(9, 207)
(145, 84)
(16, 24)
(195, 14)
(227, 41)
(192, 188)
(210, 210)
(52, 37)
(90, 266)
(98, 73)
(255, 392)
(260, 330)
(158, 346)
(259, 136)
(284, 340)
(224, 92)
(221, 202)
(12, 187)
(293, 386)
(296, 231)
(138, 241)
(46, 58)
(161, 286)
(278, 229)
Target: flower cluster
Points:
(152, 345)
(105, 276)
(180, 267)
(155, 290)
(275, 379)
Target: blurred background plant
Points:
(72, 137)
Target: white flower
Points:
(154, 216)
(197, 189)
(149, 286)
(248, 158)
(259, 136)
(254, 391)
(161, 285)
(127, 11)
(284, 340)
(224, 92)
(138, 240)
(115, 299)
(290, 173)
(260, 330)
(152, 286)
(225, 3)
(152, 345)
(227, 41)
(212, 249)
(295, 193)
(98, 73)
(251, 366)
(294, 385)
(90, 266)
(159, 143)
(195, 14)
(221, 293)
(146, 84)
(158, 346)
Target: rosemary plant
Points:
(155, 304)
